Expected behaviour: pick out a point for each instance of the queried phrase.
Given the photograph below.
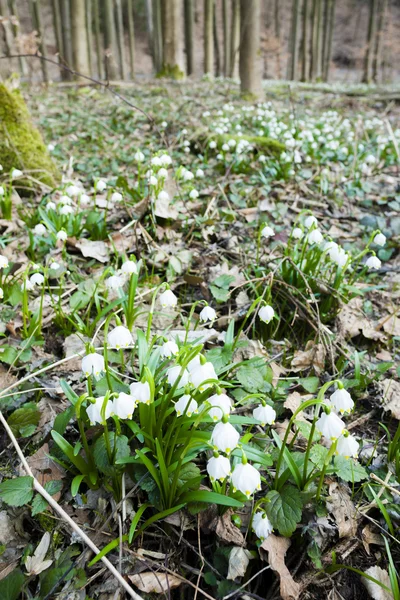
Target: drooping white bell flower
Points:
(173, 374)
(163, 196)
(51, 206)
(141, 392)
(168, 299)
(116, 197)
(163, 173)
(194, 194)
(16, 173)
(84, 199)
(373, 263)
(123, 406)
(200, 374)
(36, 279)
(62, 235)
(169, 349)
(138, 156)
(265, 414)
(27, 285)
(380, 239)
(297, 233)
(261, 525)
(1, 293)
(193, 363)
(310, 221)
(54, 266)
(212, 145)
(330, 426)
(66, 210)
(120, 337)
(347, 446)
(40, 229)
(186, 403)
(114, 282)
(93, 364)
(342, 401)
(315, 237)
(267, 232)
(207, 314)
(129, 267)
(246, 479)
(72, 190)
(199, 173)
(221, 406)
(94, 411)
(225, 437)
(266, 314)
(100, 185)
(218, 468)
(165, 160)
(339, 256)
(153, 180)
(3, 262)
(187, 175)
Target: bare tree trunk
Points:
(172, 40)
(131, 32)
(37, 23)
(109, 40)
(16, 32)
(98, 41)
(5, 22)
(57, 26)
(189, 40)
(216, 43)
(158, 35)
(227, 37)
(277, 21)
(120, 38)
(89, 34)
(371, 41)
(305, 69)
(208, 36)
(294, 42)
(330, 24)
(79, 37)
(66, 35)
(316, 40)
(377, 66)
(249, 60)
(235, 39)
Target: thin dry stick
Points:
(40, 489)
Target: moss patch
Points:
(171, 72)
(21, 145)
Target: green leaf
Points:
(68, 450)
(284, 509)
(220, 294)
(39, 503)
(69, 392)
(8, 354)
(349, 469)
(100, 454)
(76, 482)
(224, 281)
(17, 492)
(187, 472)
(23, 418)
(11, 586)
(310, 384)
(62, 419)
(318, 455)
(305, 430)
(210, 498)
(136, 520)
(250, 378)
(219, 357)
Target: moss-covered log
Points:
(262, 144)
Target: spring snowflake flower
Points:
(315, 237)
(169, 349)
(342, 401)
(330, 426)
(220, 406)
(195, 362)
(225, 437)
(16, 173)
(50, 147)
(66, 210)
(93, 364)
(380, 239)
(3, 262)
(165, 160)
(194, 194)
(153, 180)
(62, 235)
(297, 233)
(187, 175)
(84, 199)
(207, 314)
(186, 403)
(347, 446)
(267, 232)
(266, 314)
(163, 196)
(72, 190)
(54, 266)
(115, 282)
(129, 267)
(138, 156)
(65, 200)
(373, 263)
(212, 145)
(200, 173)
(94, 411)
(1, 294)
(36, 279)
(310, 221)
(120, 337)
(27, 285)
(246, 479)
(261, 525)
(163, 173)
(168, 299)
(116, 197)
(265, 414)
(123, 406)
(174, 373)
(199, 375)
(218, 468)
(100, 185)
(51, 206)
(40, 229)
(141, 392)
(338, 255)
(225, 147)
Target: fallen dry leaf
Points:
(351, 322)
(276, 548)
(239, 559)
(44, 468)
(312, 356)
(392, 325)
(376, 591)
(370, 537)
(36, 563)
(222, 525)
(343, 510)
(390, 390)
(156, 583)
(90, 249)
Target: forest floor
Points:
(283, 217)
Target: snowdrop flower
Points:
(123, 406)
(1, 294)
(194, 194)
(16, 173)
(62, 235)
(168, 299)
(218, 468)
(153, 180)
(138, 156)
(187, 175)
(66, 210)
(297, 233)
(220, 406)
(267, 232)
(315, 237)
(163, 173)
(27, 285)
(94, 411)
(212, 145)
(310, 221)
(246, 479)
(93, 364)
(84, 199)
(3, 262)
(347, 446)
(380, 239)
(40, 229)
(163, 195)
(116, 197)
(199, 173)
(225, 437)
(266, 314)
(219, 156)
(72, 190)
(164, 124)
(201, 374)
(65, 199)
(261, 525)
(141, 392)
(54, 266)
(265, 414)
(373, 263)
(342, 401)
(115, 282)
(186, 403)
(207, 314)
(330, 425)
(169, 349)
(174, 373)
(165, 160)
(129, 267)
(120, 337)
(50, 147)
(195, 362)
(36, 279)
(100, 185)
(50, 206)
(225, 147)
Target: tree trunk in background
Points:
(37, 24)
(172, 39)
(330, 24)
(189, 40)
(216, 43)
(109, 40)
(235, 38)
(57, 27)
(249, 57)
(320, 35)
(150, 26)
(120, 39)
(97, 36)
(208, 36)
(294, 41)
(89, 34)
(131, 33)
(66, 35)
(6, 29)
(277, 21)
(79, 37)
(377, 66)
(371, 41)
(316, 51)
(16, 32)
(158, 35)
(227, 37)
(305, 67)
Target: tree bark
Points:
(109, 40)
(208, 36)
(249, 59)
(330, 24)
(37, 23)
(377, 66)
(158, 35)
(227, 37)
(66, 36)
(305, 69)
(97, 36)
(80, 58)
(294, 41)
(16, 33)
(277, 21)
(172, 40)
(120, 39)
(235, 38)
(189, 40)
(371, 41)
(131, 32)
(217, 52)
(89, 34)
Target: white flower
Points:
(315, 237)
(116, 197)
(330, 425)
(94, 411)
(207, 314)
(54, 266)
(164, 124)
(194, 194)
(169, 349)
(50, 147)
(218, 468)
(220, 406)
(1, 190)
(129, 267)
(115, 282)
(342, 401)
(246, 479)
(62, 235)
(267, 232)
(153, 180)
(138, 156)
(297, 233)
(120, 337)
(187, 175)
(156, 161)
(93, 364)
(338, 256)
(310, 221)
(66, 210)
(40, 229)
(168, 299)
(65, 200)
(123, 406)
(225, 147)
(36, 279)
(266, 313)
(373, 263)
(50, 206)
(1, 294)
(265, 414)
(212, 145)
(16, 173)
(173, 374)
(27, 285)
(232, 143)
(84, 199)
(3, 262)
(199, 173)
(163, 196)
(347, 446)
(141, 392)
(380, 239)
(261, 525)
(225, 437)
(72, 190)
(202, 373)
(193, 363)
(165, 160)
(100, 185)
(163, 173)
(186, 403)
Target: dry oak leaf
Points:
(370, 537)
(45, 469)
(222, 525)
(276, 547)
(156, 583)
(90, 249)
(351, 321)
(375, 590)
(239, 559)
(312, 356)
(390, 389)
(343, 510)
(391, 325)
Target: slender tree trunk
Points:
(227, 37)
(305, 69)
(277, 22)
(249, 60)
(37, 23)
(158, 35)
(97, 36)
(5, 22)
(57, 26)
(150, 26)
(377, 66)
(371, 41)
(235, 38)
(315, 44)
(189, 40)
(320, 32)
(131, 32)
(329, 38)
(89, 34)
(16, 32)
(109, 40)
(208, 36)
(294, 42)
(66, 36)
(217, 51)
(79, 37)
(120, 38)
(172, 39)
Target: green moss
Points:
(21, 145)
(171, 72)
(264, 144)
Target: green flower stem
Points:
(324, 468)
(249, 312)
